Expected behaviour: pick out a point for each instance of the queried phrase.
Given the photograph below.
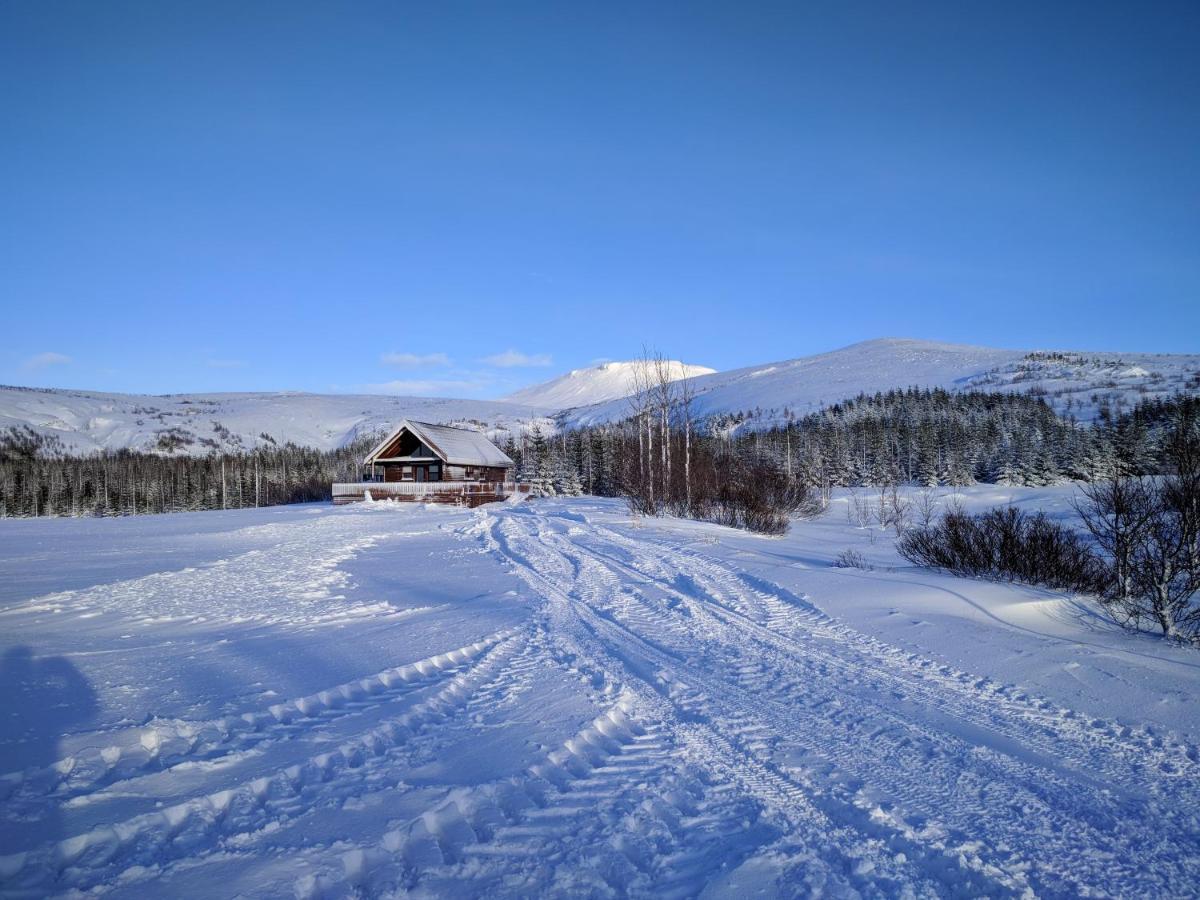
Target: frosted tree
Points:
(566, 479)
(536, 470)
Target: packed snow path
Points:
(573, 705)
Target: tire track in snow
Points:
(1057, 732)
(612, 810)
(688, 703)
(163, 745)
(987, 785)
(202, 825)
(1051, 810)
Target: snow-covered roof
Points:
(454, 446)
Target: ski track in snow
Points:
(739, 739)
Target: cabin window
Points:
(435, 473)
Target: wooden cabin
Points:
(432, 463)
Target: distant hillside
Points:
(85, 421)
(1074, 383)
(1079, 384)
(596, 384)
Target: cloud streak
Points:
(414, 360)
(42, 360)
(512, 359)
(429, 387)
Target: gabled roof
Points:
(454, 446)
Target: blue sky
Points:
(461, 199)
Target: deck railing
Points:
(449, 491)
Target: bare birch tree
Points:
(687, 394)
(640, 408)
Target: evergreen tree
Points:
(536, 470)
(566, 479)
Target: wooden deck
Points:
(457, 493)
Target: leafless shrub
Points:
(859, 512)
(851, 559)
(1149, 529)
(750, 492)
(893, 510)
(925, 507)
(1006, 544)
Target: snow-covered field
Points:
(555, 699)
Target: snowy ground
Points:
(554, 699)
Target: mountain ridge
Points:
(1079, 384)
(1075, 383)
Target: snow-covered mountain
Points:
(596, 384)
(86, 421)
(1075, 383)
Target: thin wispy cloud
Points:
(414, 360)
(42, 360)
(226, 363)
(513, 359)
(429, 387)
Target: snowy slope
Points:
(581, 387)
(554, 700)
(196, 423)
(1075, 383)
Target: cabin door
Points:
(419, 472)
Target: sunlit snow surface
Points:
(554, 699)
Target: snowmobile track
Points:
(977, 787)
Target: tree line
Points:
(664, 461)
(661, 458)
(38, 479)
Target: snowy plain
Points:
(554, 698)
